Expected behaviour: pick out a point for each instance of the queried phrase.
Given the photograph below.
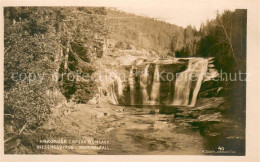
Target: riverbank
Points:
(147, 130)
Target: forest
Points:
(223, 38)
(45, 40)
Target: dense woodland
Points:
(223, 38)
(47, 40)
(44, 41)
(128, 31)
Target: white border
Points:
(252, 112)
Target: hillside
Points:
(129, 31)
(39, 43)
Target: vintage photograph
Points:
(124, 81)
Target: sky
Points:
(181, 14)
(174, 14)
(178, 12)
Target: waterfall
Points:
(155, 93)
(196, 69)
(201, 70)
(182, 88)
(132, 86)
(112, 95)
(114, 84)
(143, 84)
(119, 82)
(149, 89)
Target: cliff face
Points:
(147, 81)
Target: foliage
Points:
(128, 30)
(224, 38)
(85, 41)
(30, 43)
(191, 38)
(229, 55)
(35, 41)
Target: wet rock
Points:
(181, 115)
(210, 133)
(168, 110)
(152, 112)
(203, 122)
(208, 103)
(210, 117)
(194, 114)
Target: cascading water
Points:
(143, 84)
(182, 87)
(144, 90)
(196, 70)
(132, 86)
(155, 93)
(200, 69)
(114, 82)
(111, 94)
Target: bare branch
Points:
(228, 38)
(24, 126)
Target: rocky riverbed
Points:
(204, 129)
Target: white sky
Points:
(179, 12)
(174, 14)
